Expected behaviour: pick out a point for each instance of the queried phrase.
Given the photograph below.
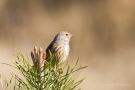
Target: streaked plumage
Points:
(59, 48)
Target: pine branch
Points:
(41, 75)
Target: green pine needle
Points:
(52, 79)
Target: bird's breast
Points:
(66, 49)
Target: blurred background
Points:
(104, 36)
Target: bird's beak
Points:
(71, 35)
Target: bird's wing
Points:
(52, 49)
(48, 51)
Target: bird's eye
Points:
(66, 34)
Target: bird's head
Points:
(63, 36)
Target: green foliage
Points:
(43, 78)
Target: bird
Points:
(58, 50)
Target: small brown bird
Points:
(59, 48)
